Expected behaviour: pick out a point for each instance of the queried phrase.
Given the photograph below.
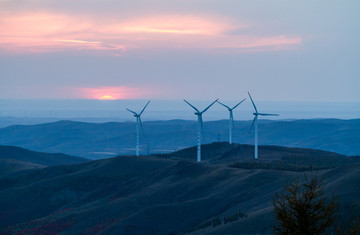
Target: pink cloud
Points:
(176, 24)
(31, 32)
(246, 42)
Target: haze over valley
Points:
(98, 140)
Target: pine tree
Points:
(303, 208)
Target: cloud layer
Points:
(44, 31)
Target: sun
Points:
(106, 97)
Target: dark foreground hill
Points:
(159, 195)
(15, 159)
(98, 140)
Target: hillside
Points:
(270, 157)
(8, 166)
(99, 140)
(15, 159)
(158, 195)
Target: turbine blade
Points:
(131, 111)
(232, 118)
(144, 136)
(252, 102)
(252, 125)
(238, 104)
(144, 107)
(223, 105)
(209, 106)
(192, 106)
(268, 114)
(142, 128)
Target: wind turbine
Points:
(138, 126)
(200, 129)
(231, 120)
(255, 121)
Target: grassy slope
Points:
(225, 154)
(153, 195)
(45, 159)
(9, 166)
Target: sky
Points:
(303, 51)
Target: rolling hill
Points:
(165, 194)
(99, 140)
(8, 166)
(241, 156)
(14, 159)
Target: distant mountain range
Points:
(13, 159)
(165, 194)
(98, 140)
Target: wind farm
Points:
(255, 123)
(200, 125)
(179, 117)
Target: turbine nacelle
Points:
(231, 109)
(256, 111)
(254, 123)
(231, 120)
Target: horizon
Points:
(114, 110)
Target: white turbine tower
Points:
(200, 129)
(138, 126)
(255, 121)
(231, 120)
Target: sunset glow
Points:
(111, 93)
(106, 97)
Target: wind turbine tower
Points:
(231, 120)
(138, 126)
(255, 121)
(200, 129)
